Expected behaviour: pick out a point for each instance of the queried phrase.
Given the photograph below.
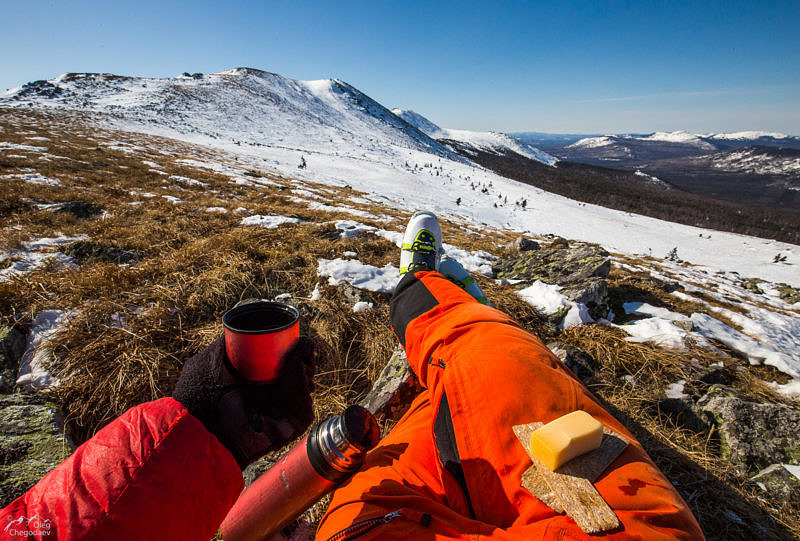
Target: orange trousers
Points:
(490, 374)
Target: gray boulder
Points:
(393, 391)
(79, 209)
(351, 295)
(578, 361)
(580, 271)
(12, 346)
(779, 482)
(752, 435)
(32, 442)
(554, 265)
(522, 244)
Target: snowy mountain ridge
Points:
(240, 106)
(491, 141)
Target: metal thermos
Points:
(331, 452)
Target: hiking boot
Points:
(453, 271)
(422, 243)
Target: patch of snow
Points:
(316, 294)
(362, 306)
(306, 193)
(330, 208)
(33, 373)
(349, 229)
(756, 352)
(578, 314)
(650, 178)
(35, 178)
(269, 222)
(794, 469)
(661, 332)
(359, 275)
(544, 297)
(187, 180)
(349, 254)
(172, 199)
(675, 390)
(7, 145)
(216, 209)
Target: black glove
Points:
(248, 419)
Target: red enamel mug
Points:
(257, 335)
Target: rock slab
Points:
(32, 442)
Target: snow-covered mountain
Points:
(272, 123)
(637, 150)
(491, 141)
(241, 106)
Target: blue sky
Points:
(581, 67)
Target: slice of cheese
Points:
(565, 438)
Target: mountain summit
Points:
(241, 106)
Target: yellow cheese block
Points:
(565, 438)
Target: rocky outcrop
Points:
(752, 435)
(393, 391)
(12, 346)
(580, 271)
(32, 443)
(522, 244)
(555, 265)
(780, 482)
(79, 209)
(578, 361)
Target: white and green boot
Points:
(453, 271)
(422, 243)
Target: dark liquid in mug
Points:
(261, 318)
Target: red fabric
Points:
(153, 473)
(495, 375)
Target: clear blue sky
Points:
(558, 66)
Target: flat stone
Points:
(555, 266)
(32, 442)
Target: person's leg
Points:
(495, 375)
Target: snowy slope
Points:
(759, 160)
(420, 122)
(494, 142)
(348, 139)
(242, 106)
